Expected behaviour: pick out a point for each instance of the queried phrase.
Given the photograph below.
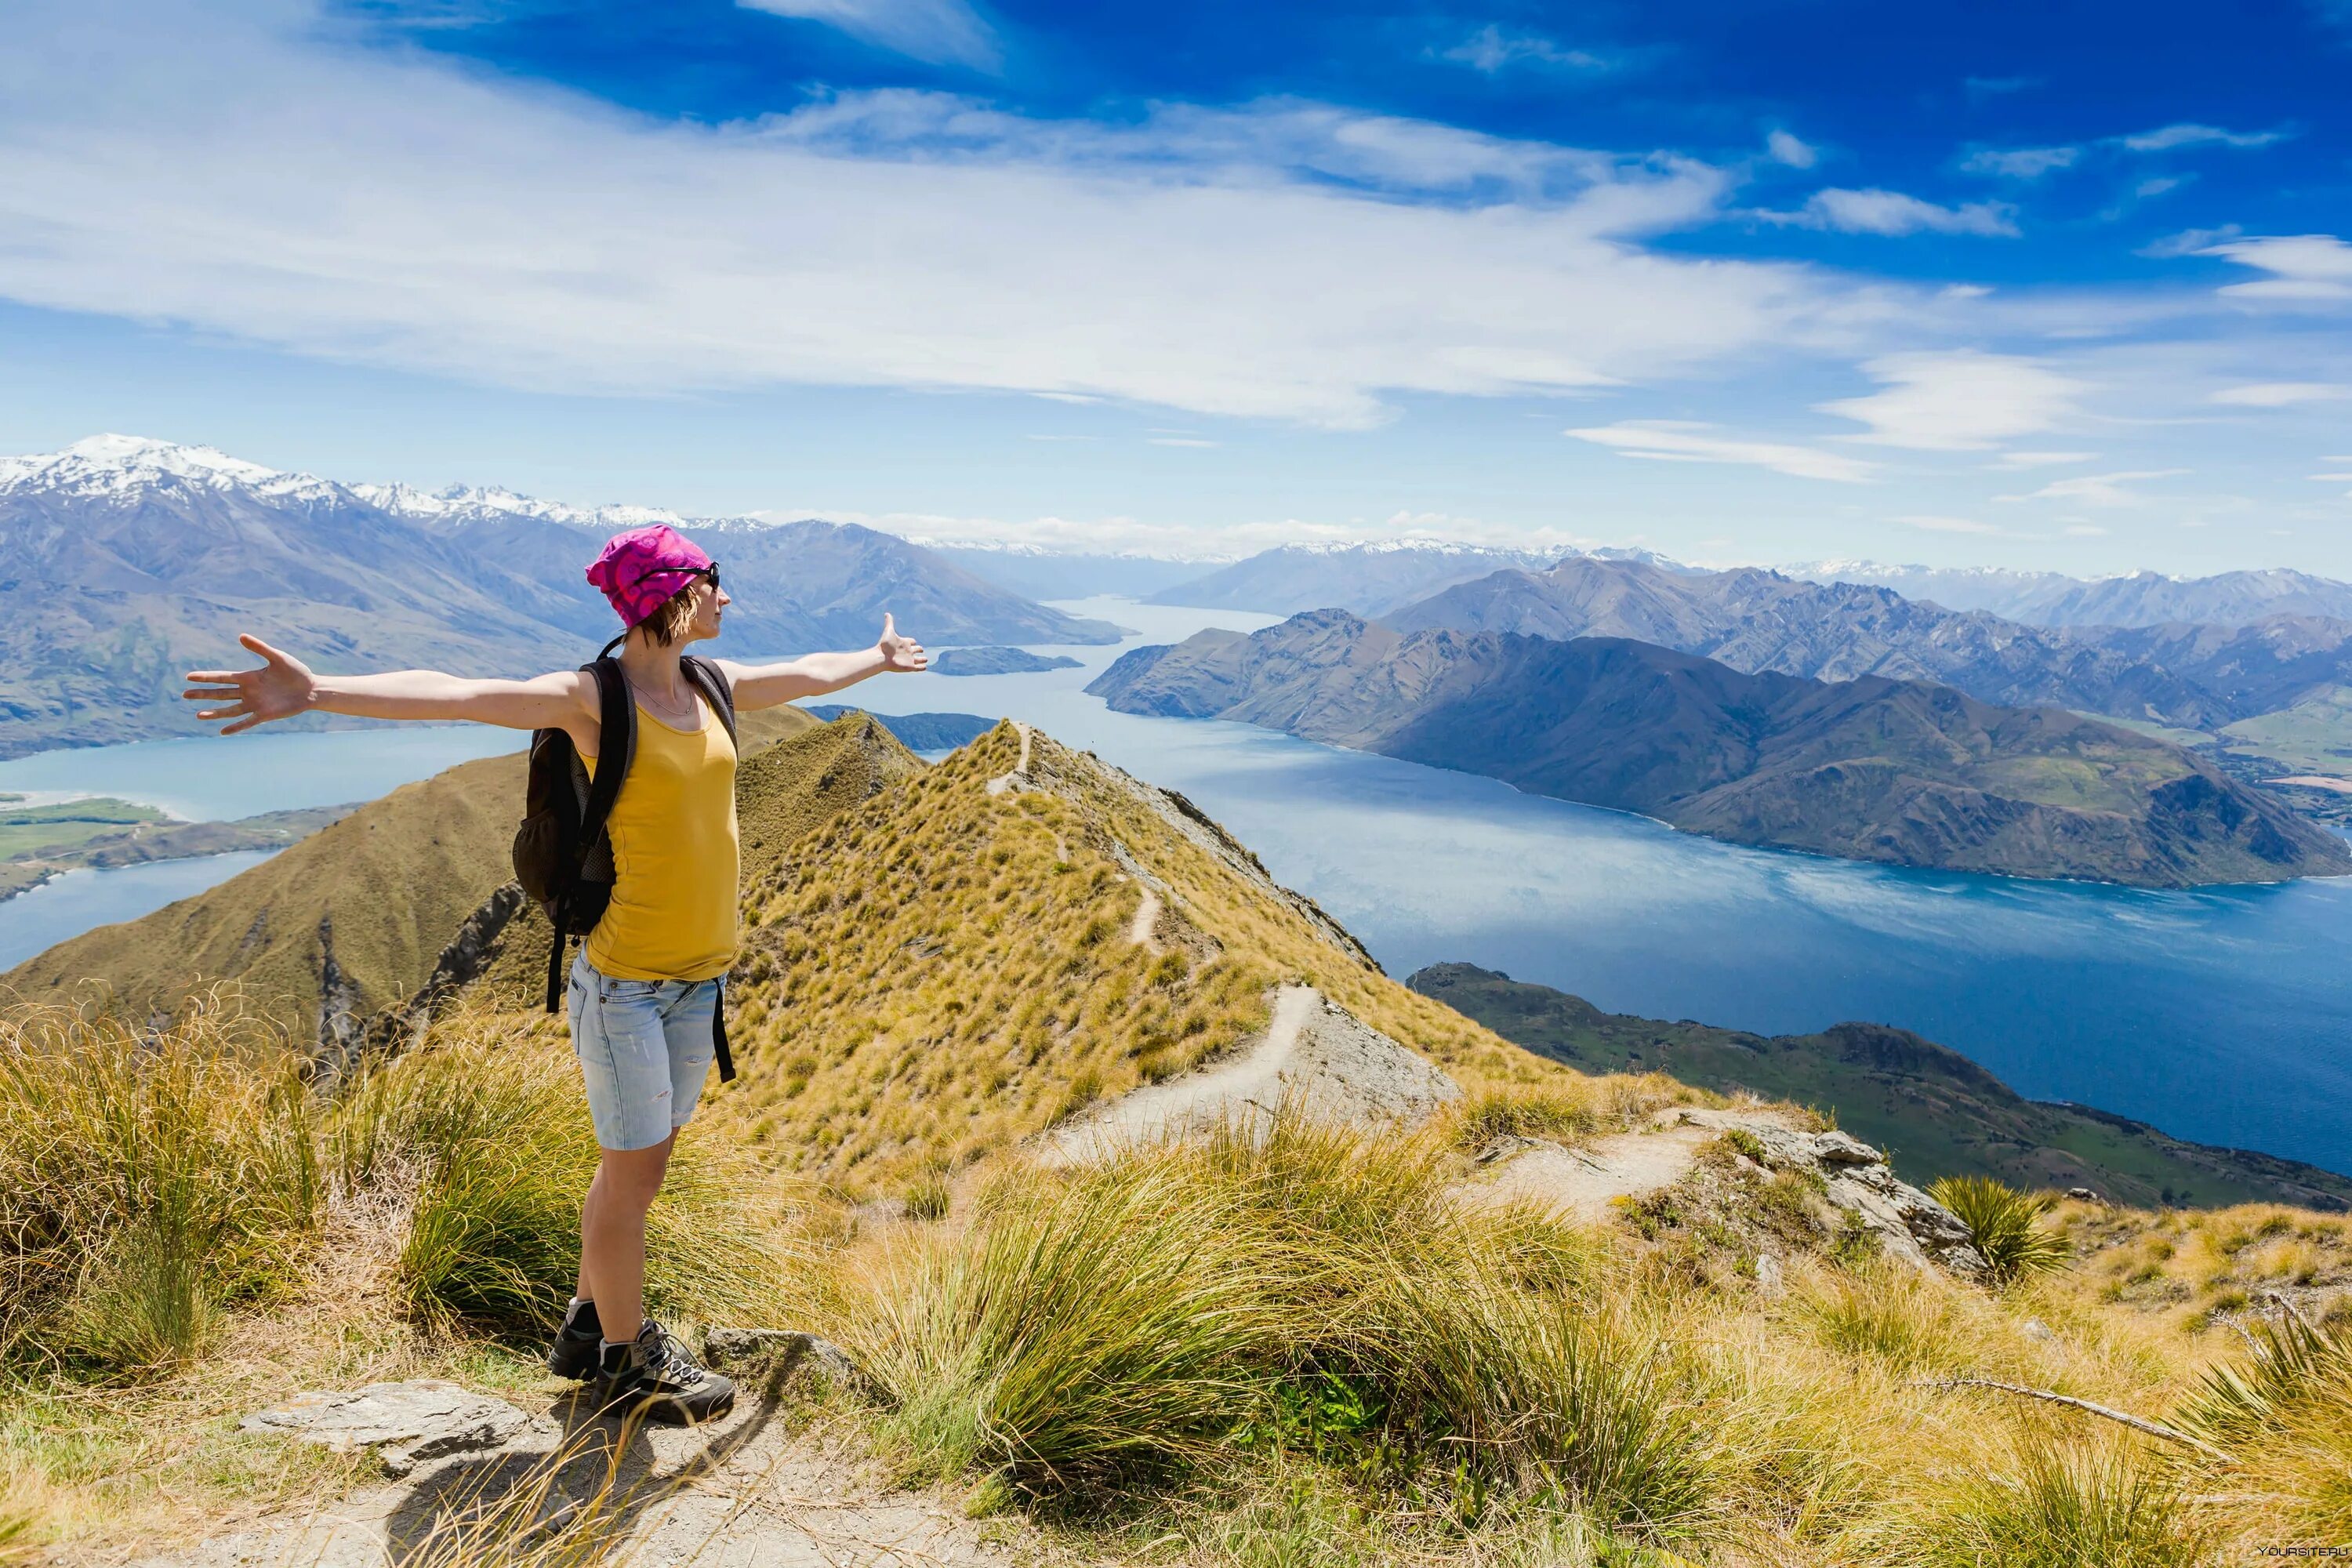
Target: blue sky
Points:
(2065, 286)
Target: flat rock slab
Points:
(409, 1422)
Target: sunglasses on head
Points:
(711, 571)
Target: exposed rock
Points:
(1315, 1057)
(1908, 1224)
(2084, 1195)
(786, 1350)
(1769, 1276)
(407, 1422)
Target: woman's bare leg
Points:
(613, 1235)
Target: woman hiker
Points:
(644, 989)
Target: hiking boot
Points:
(654, 1374)
(573, 1354)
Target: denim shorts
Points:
(643, 1049)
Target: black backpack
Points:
(563, 856)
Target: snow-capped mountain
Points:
(1368, 577)
(114, 468)
(137, 559)
(2130, 599)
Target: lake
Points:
(2224, 1015)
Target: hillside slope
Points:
(1872, 769)
(347, 923)
(1934, 1110)
(1366, 578)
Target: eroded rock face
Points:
(1908, 1224)
(407, 1422)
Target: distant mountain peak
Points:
(115, 465)
(471, 503)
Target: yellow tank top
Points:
(675, 857)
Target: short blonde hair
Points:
(672, 615)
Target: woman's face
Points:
(710, 601)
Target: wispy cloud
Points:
(1791, 150)
(1255, 262)
(1681, 441)
(941, 32)
(2304, 266)
(2018, 461)
(1178, 441)
(2098, 489)
(2020, 163)
(2164, 139)
(2281, 394)
(1960, 401)
(2189, 242)
(1933, 524)
(1490, 49)
(1891, 213)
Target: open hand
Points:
(283, 685)
(898, 653)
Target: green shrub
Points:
(2066, 1503)
(146, 1178)
(490, 1142)
(2004, 1225)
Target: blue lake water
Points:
(2224, 1016)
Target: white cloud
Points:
(939, 31)
(1948, 524)
(400, 210)
(2281, 394)
(2329, 479)
(1680, 441)
(2302, 266)
(2148, 190)
(1490, 49)
(1787, 149)
(2097, 490)
(1891, 213)
(2083, 530)
(2020, 163)
(2014, 461)
(1178, 441)
(2167, 138)
(2189, 242)
(1959, 401)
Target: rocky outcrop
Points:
(1858, 1181)
(407, 1424)
(1316, 1061)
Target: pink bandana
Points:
(638, 570)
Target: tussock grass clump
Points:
(146, 1179)
(1891, 1313)
(2284, 1412)
(2062, 1498)
(487, 1139)
(1304, 1289)
(2004, 1225)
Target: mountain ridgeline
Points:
(948, 958)
(1938, 1112)
(136, 561)
(1903, 772)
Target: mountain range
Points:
(133, 560)
(1369, 579)
(1906, 772)
(2188, 677)
(1141, 943)
(2132, 599)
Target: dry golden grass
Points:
(1296, 1353)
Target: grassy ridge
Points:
(381, 891)
(1935, 1112)
(940, 972)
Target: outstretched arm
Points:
(283, 685)
(813, 675)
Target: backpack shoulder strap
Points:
(616, 741)
(712, 682)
